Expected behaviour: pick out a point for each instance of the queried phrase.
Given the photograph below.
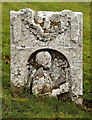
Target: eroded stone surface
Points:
(43, 59)
(46, 52)
(47, 70)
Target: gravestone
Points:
(46, 53)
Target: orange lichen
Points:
(40, 76)
(45, 31)
(41, 24)
(36, 22)
(54, 24)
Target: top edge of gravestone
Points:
(67, 11)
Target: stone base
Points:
(77, 100)
(17, 90)
(64, 97)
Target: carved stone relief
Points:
(47, 70)
(46, 52)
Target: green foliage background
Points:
(43, 6)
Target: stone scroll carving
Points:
(46, 52)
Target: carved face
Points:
(44, 59)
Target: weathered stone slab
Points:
(46, 52)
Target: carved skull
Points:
(44, 59)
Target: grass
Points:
(29, 107)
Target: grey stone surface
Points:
(43, 59)
(46, 52)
